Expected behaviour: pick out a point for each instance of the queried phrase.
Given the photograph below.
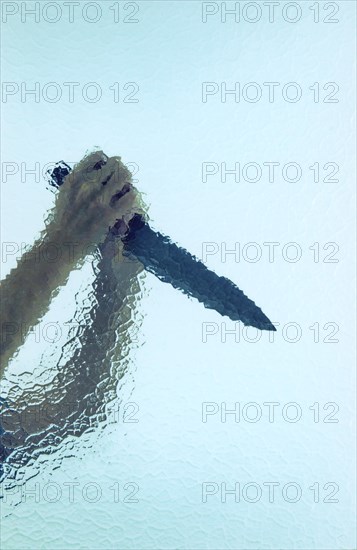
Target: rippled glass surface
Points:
(132, 416)
(76, 390)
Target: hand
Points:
(93, 196)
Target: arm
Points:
(89, 202)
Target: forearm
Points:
(91, 199)
(26, 292)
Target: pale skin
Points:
(87, 380)
(86, 206)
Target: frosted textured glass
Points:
(125, 438)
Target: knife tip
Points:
(263, 323)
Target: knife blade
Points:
(176, 266)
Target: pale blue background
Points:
(169, 133)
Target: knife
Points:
(174, 265)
